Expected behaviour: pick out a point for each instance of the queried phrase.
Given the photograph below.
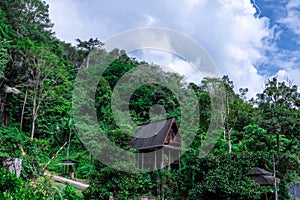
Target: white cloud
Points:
(192, 3)
(150, 20)
(293, 16)
(227, 29)
(170, 63)
(291, 75)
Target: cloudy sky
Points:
(248, 40)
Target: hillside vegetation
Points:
(37, 80)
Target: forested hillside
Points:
(37, 80)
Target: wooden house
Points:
(263, 178)
(158, 144)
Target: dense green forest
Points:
(37, 80)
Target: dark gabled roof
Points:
(152, 135)
(265, 180)
(68, 162)
(262, 177)
(258, 171)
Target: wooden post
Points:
(162, 188)
(138, 161)
(162, 158)
(179, 158)
(169, 161)
(142, 160)
(155, 159)
(72, 175)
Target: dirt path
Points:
(76, 184)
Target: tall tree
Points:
(234, 106)
(6, 34)
(29, 18)
(45, 71)
(84, 48)
(278, 109)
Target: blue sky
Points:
(248, 40)
(284, 17)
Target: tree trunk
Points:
(33, 126)
(23, 109)
(68, 151)
(229, 141)
(266, 195)
(278, 145)
(274, 174)
(3, 115)
(88, 61)
(35, 109)
(228, 132)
